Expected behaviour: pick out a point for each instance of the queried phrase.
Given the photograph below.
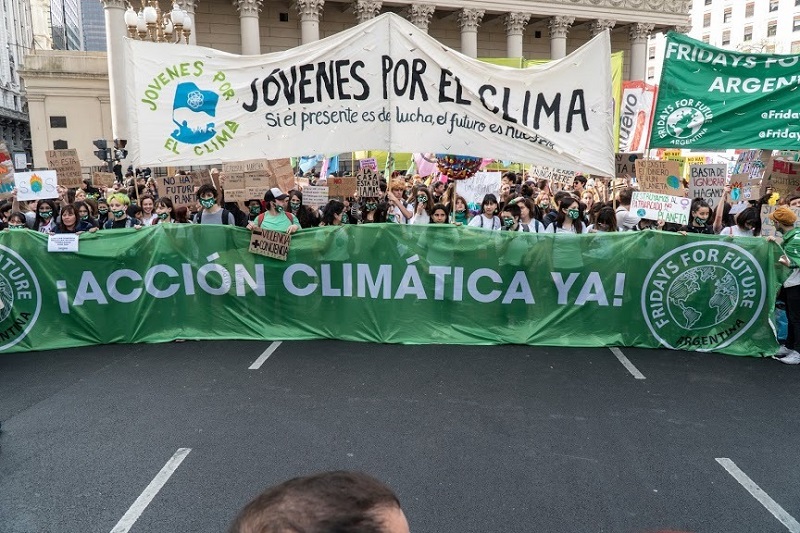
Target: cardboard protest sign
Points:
(671, 152)
(178, 188)
(258, 179)
(282, 174)
(475, 188)
(707, 182)
(558, 178)
(67, 167)
(104, 179)
(368, 183)
(743, 187)
(625, 164)
(315, 196)
(767, 225)
(6, 172)
(783, 177)
(653, 206)
(250, 165)
(302, 182)
(270, 244)
(202, 177)
(696, 160)
(662, 177)
(342, 187)
(682, 169)
(36, 185)
(370, 163)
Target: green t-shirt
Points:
(279, 222)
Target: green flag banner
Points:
(719, 99)
(392, 283)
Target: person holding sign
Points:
(569, 218)
(784, 220)
(71, 224)
(305, 215)
(423, 207)
(275, 218)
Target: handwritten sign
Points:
(202, 177)
(240, 167)
(315, 196)
(653, 206)
(342, 187)
(282, 174)
(36, 185)
(707, 182)
(179, 189)
(270, 244)
(62, 242)
(258, 179)
(783, 177)
(103, 179)
(475, 188)
(662, 177)
(743, 187)
(558, 178)
(67, 167)
(6, 172)
(370, 163)
(767, 225)
(626, 164)
(368, 183)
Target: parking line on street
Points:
(758, 493)
(626, 363)
(264, 356)
(135, 511)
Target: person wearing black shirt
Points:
(699, 218)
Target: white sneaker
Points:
(792, 359)
(783, 352)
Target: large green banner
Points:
(392, 283)
(714, 98)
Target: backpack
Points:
(495, 221)
(198, 219)
(260, 218)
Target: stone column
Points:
(638, 34)
(683, 29)
(469, 20)
(559, 28)
(114, 11)
(309, 11)
(248, 21)
(599, 26)
(366, 9)
(515, 26)
(420, 15)
(189, 6)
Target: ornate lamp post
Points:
(150, 23)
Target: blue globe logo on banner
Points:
(193, 112)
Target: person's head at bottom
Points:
(331, 502)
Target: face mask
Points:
(371, 206)
(573, 214)
(207, 202)
(544, 206)
(700, 221)
(344, 218)
(279, 208)
(103, 211)
(163, 216)
(422, 199)
(295, 206)
(16, 226)
(46, 214)
(255, 209)
(508, 222)
(84, 217)
(117, 214)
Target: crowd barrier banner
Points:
(382, 85)
(714, 98)
(392, 283)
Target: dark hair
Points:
(165, 202)
(443, 207)
(750, 216)
(181, 214)
(322, 503)
(580, 178)
(607, 216)
(19, 216)
(626, 196)
(561, 217)
(536, 213)
(560, 195)
(39, 221)
(306, 216)
(428, 195)
(513, 209)
(333, 207)
(82, 205)
(487, 199)
(69, 208)
(205, 189)
(147, 197)
(697, 204)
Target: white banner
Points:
(635, 113)
(475, 188)
(382, 85)
(654, 206)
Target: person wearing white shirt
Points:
(487, 219)
(569, 218)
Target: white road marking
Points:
(132, 515)
(264, 356)
(626, 363)
(758, 493)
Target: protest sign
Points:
(475, 188)
(558, 178)
(282, 174)
(63, 242)
(258, 179)
(67, 167)
(696, 160)
(104, 179)
(681, 164)
(768, 226)
(202, 177)
(385, 85)
(342, 187)
(315, 196)
(370, 163)
(653, 206)
(707, 182)
(178, 188)
(249, 165)
(743, 187)
(783, 177)
(368, 183)
(301, 182)
(6, 172)
(36, 185)
(635, 114)
(625, 164)
(269, 243)
(661, 177)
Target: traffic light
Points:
(120, 152)
(102, 149)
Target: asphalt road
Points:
(473, 439)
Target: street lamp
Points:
(150, 23)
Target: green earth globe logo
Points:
(7, 297)
(685, 122)
(710, 288)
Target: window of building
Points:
(749, 9)
(60, 145)
(772, 28)
(708, 2)
(748, 33)
(58, 122)
(706, 39)
(707, 20)
(796, 3)
(726, 37)
(773, 5)
(727, 14)
(651, 52)
(796, 47)
(651, 72)
(796, 26)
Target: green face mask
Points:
(700, 221)
(371, 206)
(118, 214)
(47, 215)
(16, 226)
(544, 206)
(103, 211)
(508, 222)
(255, 209)
(163, 216)
(422, 199)
(84, 217)
(207, 203)
(573, 214)
(295, 206)
(344, 218)
(279, 208)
